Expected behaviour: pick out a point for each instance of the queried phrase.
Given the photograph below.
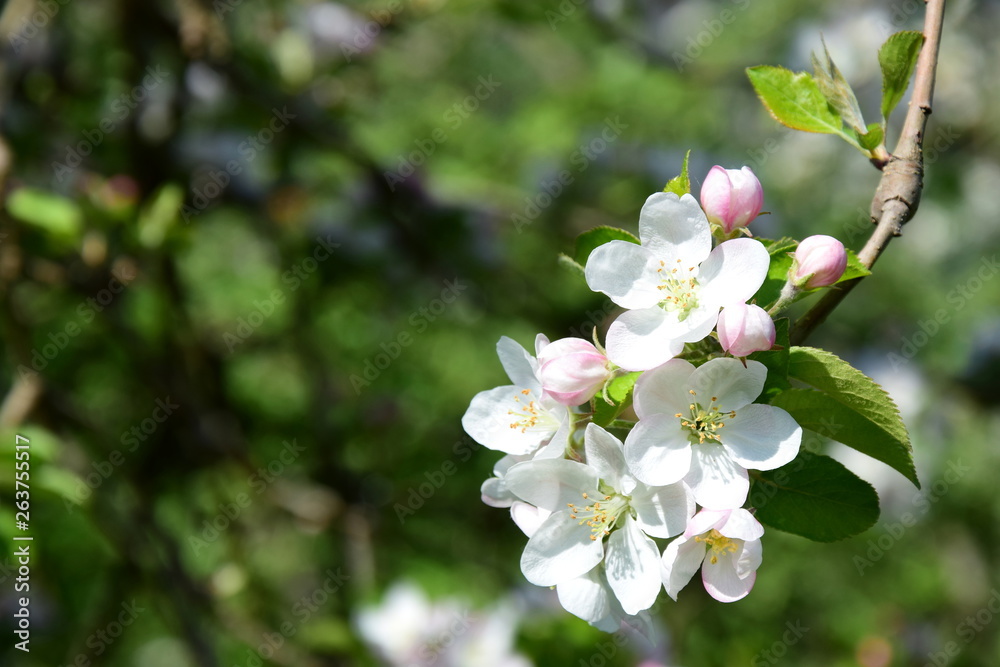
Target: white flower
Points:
(699, 425)
(520, 418)
(588, 503)
(725, 545)
(674, 283)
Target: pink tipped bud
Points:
(731, 198)
(819, 261)
(572, 370)
(744, 329)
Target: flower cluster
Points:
(598, 510)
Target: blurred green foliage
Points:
(306, 224)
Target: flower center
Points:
(600, 515)
(718, 544)
(529, 415)
(680, 289)
(704, 423)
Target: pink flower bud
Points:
(819, 261)
(572, 370)
(731, 198)
(744, 329)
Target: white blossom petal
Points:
(762, 437)
(681, 559)
(741, 525)
(663, 511)
(717, 481)
(521, 367)
(586, 596)
(733, 272)
(560, 550)
(663, 389)
(749, 558)
(494, 491)
(528, 517)
(642, 339)
(489, 420)
(626, 272)
(605, 455)
(632, 567)
(675, 228)
(732, 384)
(552, 483)
(541, 342)
(658, 451)
(706, 520)
(721, 580)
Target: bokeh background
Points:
(255, 257)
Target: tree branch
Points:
(898, 194)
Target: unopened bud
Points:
(731, 198)
(572, 370)
(819, 261)
(745, 329)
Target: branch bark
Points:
(898, 194)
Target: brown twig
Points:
(898, 193)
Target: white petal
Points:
(675, 229)
(560, 550)
(521, 367)
(541, 342)
(658, 451)
(663, 511)
(552, 483)
(642, 339)
(626, 272)
(741, 525)
(749, 558)
(721, 580)
(664, 389)
(681, 559)
(528, 517)
(488, 421)
(706, 520)
(729, 382)
(586, 597)
(605, 454)
(733, 272)
(718, 482)
(495, 493)
(699, 322)
(762, 437)
(632, 567)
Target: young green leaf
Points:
(570, 264)
(897, 58)
(795, 100)
(855, 269)
(815, 497)
(680, 185)
(873, 138)
(777, 271)
(590, 239)
(847, 406)
(619, 391)
(54, 214)
(837, 91)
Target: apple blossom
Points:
(572, 370)
(725, 545)
(597, 514)
(744, 329)
(699, 425)
(674, 283)
(820, 261)
(731, 198)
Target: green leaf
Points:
(898, 58)
(777, 272)
(587, 241)
(855, 269)
(837, 91)
(873, 138)
(795, 100)
(619, 391)
(776, 362)
(680, 185)
(568, 262)
(160, 215)
(57, 215)
(815, 497)
(847, 406)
